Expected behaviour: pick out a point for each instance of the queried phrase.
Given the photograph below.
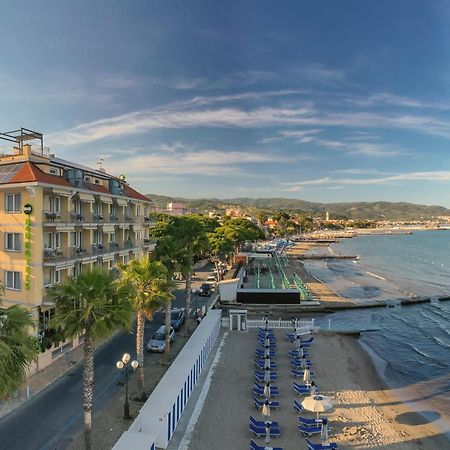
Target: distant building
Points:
(231, 212)
(176, 209)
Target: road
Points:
(51, 419)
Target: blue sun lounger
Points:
(310, 422)
(261, 431)
(255, 446)
(298, 406)
(262, 423)
(308, 431)
(298, 373)
(259, 403)
(260, 353)
(312, 446)
(259, 376)
(302, 390)
(260, 392)
(273, 388)
(262, 365)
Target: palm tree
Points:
(150, 285)
(17, 348)
(95, 304)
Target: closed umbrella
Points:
(267, 440)
(267, 374)
(267, 389)
(324, 430)
(303, 364)
(306, 376)
(266, 350)
(266, 410)
(317, 404)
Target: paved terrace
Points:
(224, 418)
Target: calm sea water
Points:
(413, 342)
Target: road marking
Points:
(201, 398)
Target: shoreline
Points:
(368, 413)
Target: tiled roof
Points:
(30, 173)
(97, 188)
(130, 192)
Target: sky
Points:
(318, 100)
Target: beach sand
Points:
(366, 414)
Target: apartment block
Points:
(58, 218)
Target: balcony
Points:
(76, 217)
(98, 249)
(150, 221)
(128, 219)
(97, 217)
(128, 244)
(113, 218)
(52, 216)
(51, 255)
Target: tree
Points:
(218, 246)
(149, 285)
(239, 231)
(95, 304)
(17, 348)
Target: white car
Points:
(211, 279)
(157, 342)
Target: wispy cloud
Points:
(431, 176)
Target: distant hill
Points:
(350, 210)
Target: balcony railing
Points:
(76, 216)
(113, 218)
(52, 216)
(113, 246)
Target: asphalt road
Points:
(51, 419)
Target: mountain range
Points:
(348, 210)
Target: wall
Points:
(162, 411)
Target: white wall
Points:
(162, 411)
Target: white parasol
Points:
(267, 374)
(317, 403)
(324, 430)
(267, 389)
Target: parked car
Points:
(211, 279)
(157, 342)
(177, 318)
(204, 290)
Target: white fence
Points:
(300, 325)
(158, 418)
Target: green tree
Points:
(95, 304)
(239, 231)
(218, 246)
(150, 285)
(17, 348)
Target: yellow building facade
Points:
(57, 219)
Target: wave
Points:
(376, 276)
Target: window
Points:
(12, 242)
(53, 171)
(57, 240)
(138, 210)
(48, 241)
(73, 239)
(58, 276)
(13, 203)
(112, 237)
(57, 204)
(138, 235)
(12, 280)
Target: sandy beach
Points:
(366, 414)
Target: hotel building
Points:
(58, 218)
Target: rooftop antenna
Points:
(100, 165)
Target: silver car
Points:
(157, 342)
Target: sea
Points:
(410, 345)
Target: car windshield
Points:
(205, 286)
(176, 315)
(159, 336)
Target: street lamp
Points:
(123, 364)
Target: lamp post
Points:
(123, 364)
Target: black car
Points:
(177, 318)
(204, 290)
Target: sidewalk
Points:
(45, 377)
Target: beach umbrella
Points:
(317, 403)
(267, 374)
(303, 364)
(267, 440)
(324, 430)
(306, 376)
(266, 410)
(266, 350)
(267, 389)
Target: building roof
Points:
(130, 192)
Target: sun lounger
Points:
(297, 353)
(259, 376)
(298, 406)
(260, 392)
(259, 352)
(312, 446)
(261, 431)
(255, 446)
(310, 422)
(261, 386)
(259, 403)
(297, 365)
(302, 390)
(262, 423)
(308, 431)
(300, 372)
(262, 365)
(262, 330)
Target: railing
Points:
(52, 216)
(302, 326)
(113, 218)
(76, 216)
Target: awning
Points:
(106, 199)
(121, 201)
(86, 197)
(68, 193)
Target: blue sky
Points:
(319, 100)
